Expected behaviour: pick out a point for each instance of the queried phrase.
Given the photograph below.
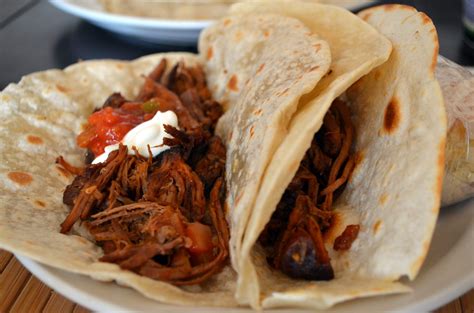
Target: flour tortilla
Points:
(248, 69)
(257, 119)
(394, 192)
(42, 115)
(457, 85)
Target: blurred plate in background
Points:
(172, 31)
(160, 31)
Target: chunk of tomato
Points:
(201, 237)
(109, 125)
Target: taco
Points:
(44, 113)
(384, 212)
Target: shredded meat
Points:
(160, 217)
(304, 213)
(345, 240)
(115, 100)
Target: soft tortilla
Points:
(368, 49)
(394, 193)
(42, 116)
(457, 85)
(257, 81)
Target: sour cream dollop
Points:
(149, 133)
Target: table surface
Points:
(35, 36)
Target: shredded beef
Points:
(304, 213)
(160, 217)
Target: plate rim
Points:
(102, 16)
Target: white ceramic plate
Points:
(448, 272)
(156, 31)
(159, 31)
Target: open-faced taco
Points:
(44, 114)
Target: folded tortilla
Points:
(457, 84)
(394, 191)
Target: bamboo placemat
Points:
(22, 292)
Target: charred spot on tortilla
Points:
(258, 112)
(35, 140)
(434, 59)
(227, 22)
(391, 7)
(377, 226)
(425, 18)
(232, 84)
(304, 216)
(238, 36)
(359, 157)
(441, 164)
(160, 216)
(392, 116)
(366, 16)
(209, 53)
(40, 203)
(20, 178)
(252, 130)
(61, 88)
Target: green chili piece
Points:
(150, 106)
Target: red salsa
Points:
(109, 125)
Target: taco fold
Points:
(393, 193)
